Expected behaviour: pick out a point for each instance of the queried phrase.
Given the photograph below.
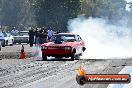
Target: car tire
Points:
(44, 57)
(77, 57)
(73, 56)
(11, 44)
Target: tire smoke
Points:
(103, 40)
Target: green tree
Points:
(55, 13)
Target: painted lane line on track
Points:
(125, 70)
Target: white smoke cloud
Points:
(128, 0)
(102, 40)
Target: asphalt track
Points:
(34, 73)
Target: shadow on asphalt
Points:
(56, 60)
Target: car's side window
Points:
(5, 35)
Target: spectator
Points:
(45, 36)
(40, 36)
(31, 37)
(50, 34)
(36, 36)
(14, 31)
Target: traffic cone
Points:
(22, 53)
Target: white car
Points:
(6, 39)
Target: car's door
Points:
(9, 38)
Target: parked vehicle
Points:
(21, 37)
(63, 45)
(6, 39)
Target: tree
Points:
(55, 13)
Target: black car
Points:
(21, 37)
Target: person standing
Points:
(41, 36)
(36, 36)
(50, 34)
(31, 37)
(44, 35)
(14, 31)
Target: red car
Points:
(63, 45)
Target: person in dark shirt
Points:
(44, 35)
(41, 36)
(31, 37)
(37, 37)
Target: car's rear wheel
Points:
(11, 44)
(44, 57)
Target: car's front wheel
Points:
(44, 57)
(73, 56)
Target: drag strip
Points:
(34, 73)
(20, 74)
(66, 78)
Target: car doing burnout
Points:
(63, 45)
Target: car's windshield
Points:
(23, 33)
(65, 38)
